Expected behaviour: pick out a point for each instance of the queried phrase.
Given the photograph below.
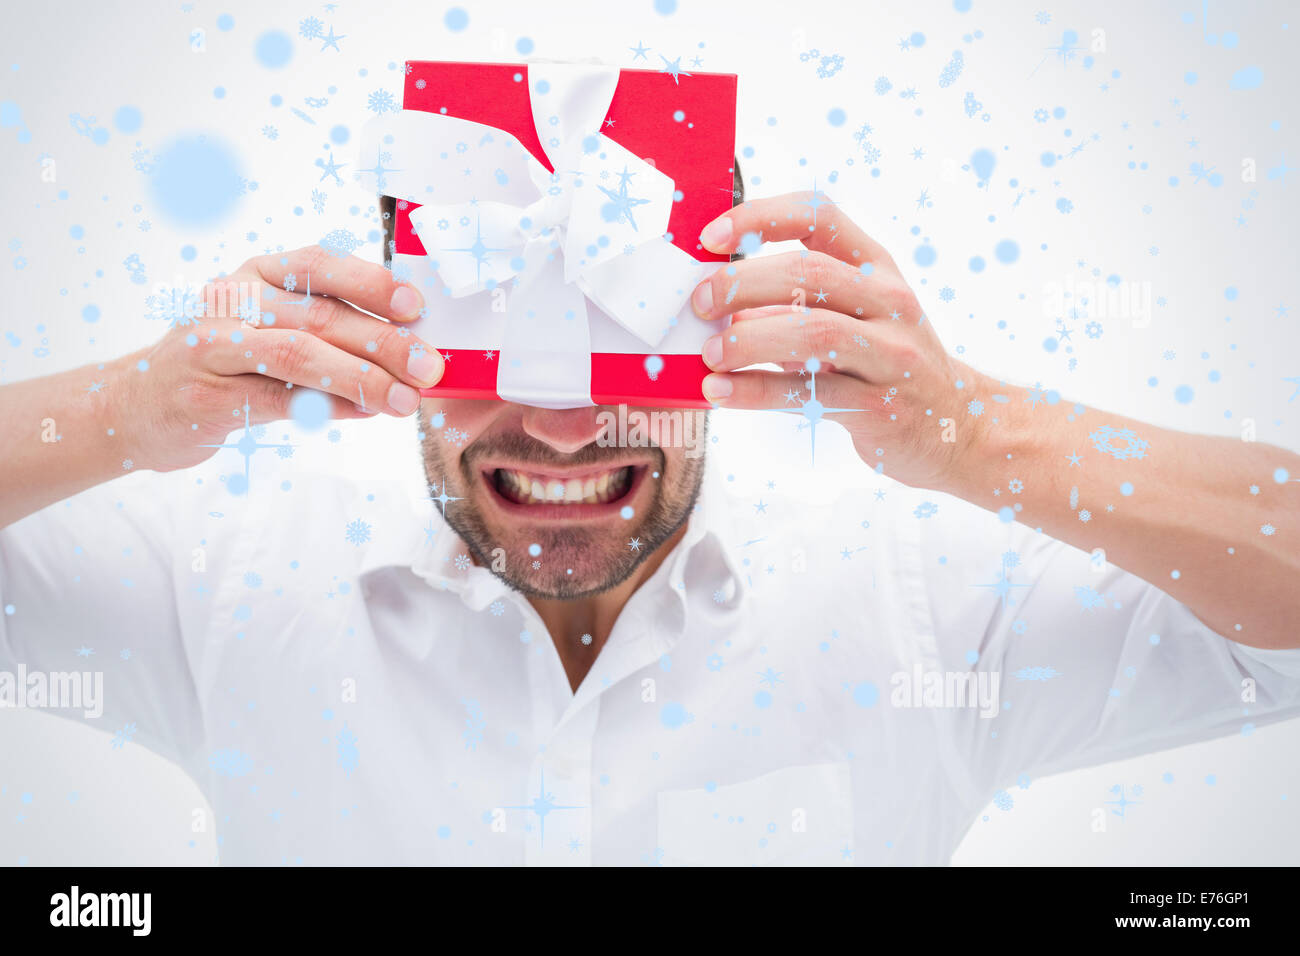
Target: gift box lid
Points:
(685, 125)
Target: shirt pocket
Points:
(795, 816)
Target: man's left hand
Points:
(839, 308)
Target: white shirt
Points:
(345, 687)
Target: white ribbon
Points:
(592, 230)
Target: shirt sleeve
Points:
(1092, 664)
(87, 591)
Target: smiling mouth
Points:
(537, 489)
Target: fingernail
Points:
(712, 352)
(702, 300)
(406, 303)
(403, 399)
(425, 366)
(716, 236)
(716, 387)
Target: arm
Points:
(168, 406)
(1199, 520)
(58, 437)
(866, 338)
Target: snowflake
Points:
(1267, 530)
(970, 105)
(1105, 440)
(455, 436)
(318, 201)
(497, 608)
(926, 509)
(1037, 673)
(870, 154)
(953, 69)
(357, 532)
(714, 662)
(883, 85)
(1002, 800)
(135, 268)
(381, 101)
(310, 28)
(1019, 626)
(1088, 598)
(421, 83)
(947, 294)
(829, 66)
(334, 435)
(290, 282)
(462, 562)
(719, 596)
(1040, 115)
(230, 763)
(284, 451)
(1015, 486)
(252, 579)
(1042, 18)
(270, 132)
(127, 464)
(341, 242)
(123, 736)
(1010, 559)
(180, 306)
(474, 724)
(1085, 515)
(975, 407)
(1093, 330)
(141, 160)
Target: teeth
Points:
(535, 490)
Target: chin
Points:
(572, 563)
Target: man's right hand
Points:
(258, 344)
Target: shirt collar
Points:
(708, 551)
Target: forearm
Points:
(60, 437)
(1202, 518)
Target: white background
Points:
(1190, 242)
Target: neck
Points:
(567, 621)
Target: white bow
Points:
(594, 229)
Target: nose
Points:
(566, 430)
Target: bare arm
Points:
(59, 438)
(1192, 525)
(168, 405)
(1204, 519)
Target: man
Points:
(600, 660)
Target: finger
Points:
(810, 217)
(873, 352)
(758, 389)
(270, 400)
(393, 347)
(800, 280)
(303, 359)
(761, 312)
(367, 285)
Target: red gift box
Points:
(684, 126)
